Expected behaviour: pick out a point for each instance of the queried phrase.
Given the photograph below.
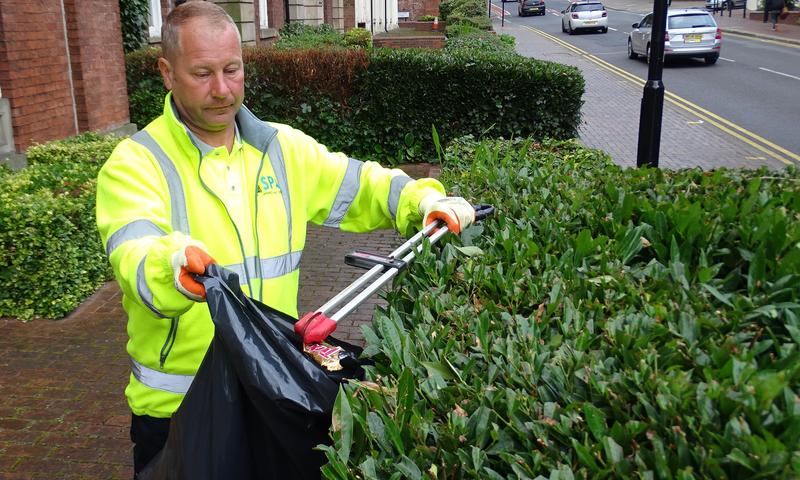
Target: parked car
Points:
(530, 7)
(584, 16)
(691, 32)
(716, 5)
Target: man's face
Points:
(207, 77)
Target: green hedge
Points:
(51, 256)
(605, 323)
(382, 104)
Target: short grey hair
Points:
(183, 13)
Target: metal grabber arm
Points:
(315, 326)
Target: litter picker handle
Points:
(386, 267)
(483, 210)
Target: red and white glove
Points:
(456, 212)
(185, 262)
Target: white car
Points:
(690, 32)
(584, 16)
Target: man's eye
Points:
(201, 74)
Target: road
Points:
(755, 85)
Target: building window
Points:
(262, 14)
(155, 19)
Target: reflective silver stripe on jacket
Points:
(144, 291)
(272, 267)
(132, 231)
(275, 153)
(346, 194)
(168, 382)
(180, 221)
(398, 184)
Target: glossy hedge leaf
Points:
(343, 418)
(595, 421)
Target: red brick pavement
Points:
(63, 413)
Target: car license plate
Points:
(693, 38)
(589, 22)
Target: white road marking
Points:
(612, 28)
(696, 122)
(626, 33)
(727, 59)
(755, 158)
(778, 73)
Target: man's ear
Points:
(166, 72)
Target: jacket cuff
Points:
(409, 216)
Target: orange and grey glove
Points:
(456, 212)
(185, 262)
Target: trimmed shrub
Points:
(51, 256)
(145, 88)
(358, 37)
(462, 8)
(605, 323)
(92, 148)
(381, 105)
(479, 41)
(300, 36)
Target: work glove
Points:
(189, 260)
(314, 327)
(456, 212)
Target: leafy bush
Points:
(89, 147)
(133, 16)
(296, 35)
(145, 88)
(380, 104)
(426, 18)
(509, 40)
(460, 29)
(358, 37)
(481, 41)
(481, 22)
(462, 8)
(460, 92)
(605, 323)
(51, 256)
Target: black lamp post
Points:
(653, 97)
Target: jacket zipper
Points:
(169, 342)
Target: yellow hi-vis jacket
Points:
(155, 191)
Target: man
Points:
(209, 182)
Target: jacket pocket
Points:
(169, 342)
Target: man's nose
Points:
(219, 87)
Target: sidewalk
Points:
(787, 33)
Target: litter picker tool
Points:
(315, 326)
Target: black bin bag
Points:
(258, 405)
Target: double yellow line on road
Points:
(756, 141)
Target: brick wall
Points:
(409, 42)
(423, 26)
(349, 14)
(35, 66)
(34, 71)
(98, 63)
(418, 8)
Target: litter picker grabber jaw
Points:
(315, 326)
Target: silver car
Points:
(584, 16)
(690, 33)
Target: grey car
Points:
(691, 32)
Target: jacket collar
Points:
(253, 131)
